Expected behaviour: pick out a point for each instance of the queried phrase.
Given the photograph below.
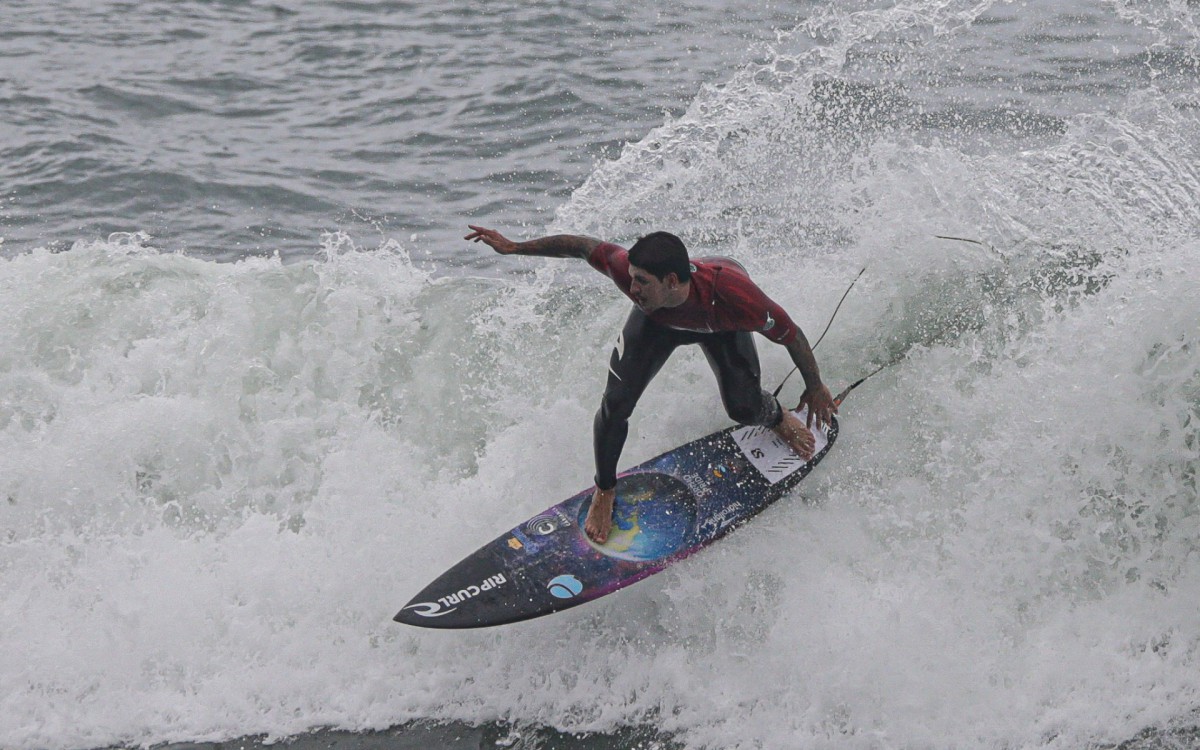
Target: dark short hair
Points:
(661, 253)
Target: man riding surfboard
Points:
(679, 300)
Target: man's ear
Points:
(672, 280)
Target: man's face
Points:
(648, 292)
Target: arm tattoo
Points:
(804, 360)
(559, 246)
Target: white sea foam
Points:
(219, 481)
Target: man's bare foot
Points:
(798, 437)
(600, 515)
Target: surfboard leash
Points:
(822, 336)
(838, 399)
(846, 392)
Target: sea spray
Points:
(220, 480)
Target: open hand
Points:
(492, 239)
(821, 407)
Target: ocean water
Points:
(255, 391)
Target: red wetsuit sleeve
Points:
(752, 310)
(612, 261)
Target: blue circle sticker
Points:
(565, 586)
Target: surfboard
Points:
(666, 509)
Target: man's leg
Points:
(640, 352)
(734, 360)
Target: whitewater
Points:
(223, 469)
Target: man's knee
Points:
(616, 405)
(759, 408)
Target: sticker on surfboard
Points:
(679, 503)
(767, 452)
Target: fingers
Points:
(491, 238)
(479, 233)
(821, 407)
(827, 409)
(818, 415)
(807, 400)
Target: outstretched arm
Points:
(555, 246)
(816, 394)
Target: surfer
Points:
(677, 300)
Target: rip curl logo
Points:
(429, 609)
(447, 604)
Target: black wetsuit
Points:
(723, 307)
(642, 349)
